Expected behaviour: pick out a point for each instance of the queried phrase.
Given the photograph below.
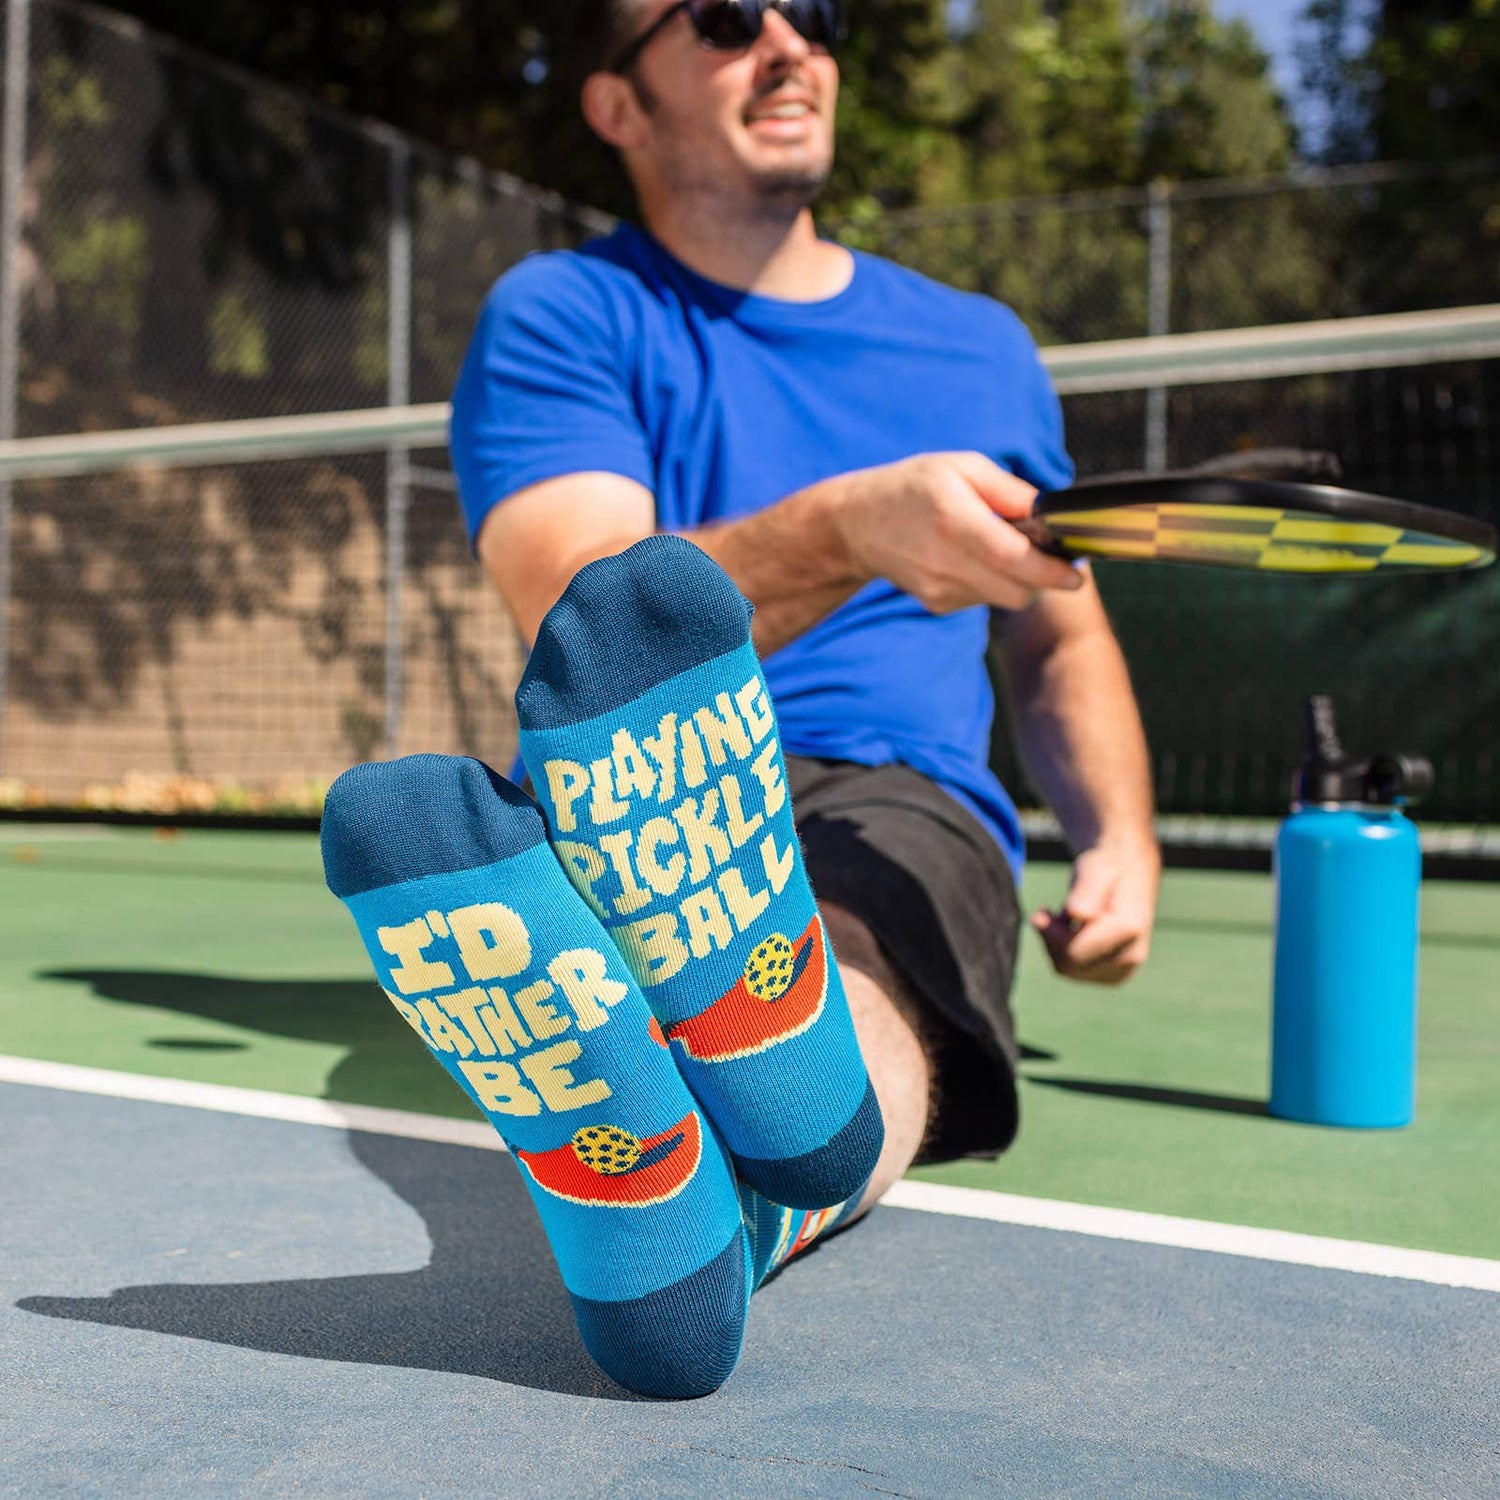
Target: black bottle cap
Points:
(1329, 776)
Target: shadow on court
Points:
(488, 1303)
(1229, 1104)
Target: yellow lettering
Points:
(498, 1087)
(778, 866)
(584, 868)
(492, 940)
(581, 976)
(503, 1022)
(441, 1031)
(549, 1072)
(464, 1007)
(707, 923)
(752, 703)
(604, 807)
(652, 948)
(664, 879)
(744, 904)
(633, 777)
(567, 781)
(708, 846)
(767, 769)
(694, 762)
(545, 1022)
(740, 831)
(722, 731)
(631, 897)
(662, 748)
(413, 974)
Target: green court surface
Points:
(221, 958)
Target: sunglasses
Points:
(732, 25)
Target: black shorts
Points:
(929, 881)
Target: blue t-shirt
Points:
(616, 357)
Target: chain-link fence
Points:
(192, 244)
(182, 243)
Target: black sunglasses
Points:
(731, 25)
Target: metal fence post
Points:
(1158, 315)
(12, 187)
(398, 459)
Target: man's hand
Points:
(1102, 935)
(938, 527)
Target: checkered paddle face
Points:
(1272, 539)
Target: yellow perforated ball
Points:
(607, 1149)
(768, 973)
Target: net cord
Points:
(1389, 341)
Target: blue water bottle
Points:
(1348, 869)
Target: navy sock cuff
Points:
(625, 624)
(470, 817)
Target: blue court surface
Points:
(204, 1303)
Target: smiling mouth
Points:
(780, 111)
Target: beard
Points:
(792, 187)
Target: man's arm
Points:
(936, 526)
(1080, 737)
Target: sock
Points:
(649, 734)
(490, 956)
(778, 1234)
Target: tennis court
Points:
(240, 1288)
(256, 1244)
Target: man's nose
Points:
(780, 40)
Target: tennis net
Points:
(222, 617)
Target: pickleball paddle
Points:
(1230, 514)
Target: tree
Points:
(1208, 105)
(1437, 70)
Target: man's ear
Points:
(613, 111)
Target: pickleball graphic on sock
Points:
(781, 993)
(648, 731)
(605, 1166)
(493, 960)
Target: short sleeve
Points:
(1043, 460)
(544, 390)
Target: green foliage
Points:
(1210, 109)
(1407, 80)
(1438, 66)
(238, 343)
(1029, 97)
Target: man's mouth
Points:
(783, 111)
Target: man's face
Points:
(757, 122)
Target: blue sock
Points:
(649, 734)
(778, 1234)
(491, 957)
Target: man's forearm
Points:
(789, 561)
(1077, 725)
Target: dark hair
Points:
(601, 31)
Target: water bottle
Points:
(1348, 868)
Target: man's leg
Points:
(886, 1023)
(889, 1025)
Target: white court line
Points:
(922, 1197)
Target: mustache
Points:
(790, 82)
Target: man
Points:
(850, 443)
